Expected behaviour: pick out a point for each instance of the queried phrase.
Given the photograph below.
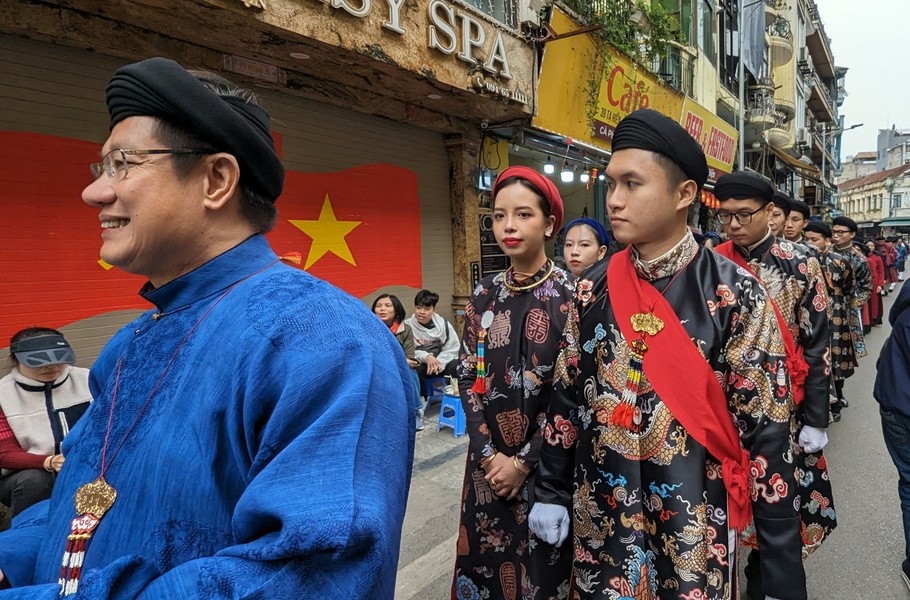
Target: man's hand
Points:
(433, 365)
(549, 522)
(812, 439)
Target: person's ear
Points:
(686, 192)
(551, 223)
(221, 180)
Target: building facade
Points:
(378, 110)
(393, 120)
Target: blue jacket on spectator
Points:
(892, 383)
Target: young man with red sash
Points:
(669, 429)
(793, 279)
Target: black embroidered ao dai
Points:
(497, 556)
(649, 507)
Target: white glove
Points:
(549, 522)
(770, 598)
(813, 439)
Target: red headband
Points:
(546, 187)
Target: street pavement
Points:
(860, 561)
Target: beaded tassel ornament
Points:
(480, 383)
(92, 501)
(625, 413)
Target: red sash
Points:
(684, 380)
(797, 366)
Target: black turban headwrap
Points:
(158, 87)
(845, 222)
(744, 185)
(800, 207)
(818, 227)
(782, 201)
(647, 129)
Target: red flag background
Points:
(358, 229)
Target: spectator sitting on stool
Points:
(41, 399)
(435, 338)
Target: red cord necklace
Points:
(95, 498)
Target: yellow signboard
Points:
(716, 136)
(563, 94)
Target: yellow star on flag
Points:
(328, 235)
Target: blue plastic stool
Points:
(433, 389)
(455, 417)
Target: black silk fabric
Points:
(158, 87)
(744, 185)
(647, 129)
(649, 508)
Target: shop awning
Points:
(810, 171)
(895, 222)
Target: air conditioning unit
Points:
(529, 12)
(804, 62)
(803, 137)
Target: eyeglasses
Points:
(116, 167)
(839, 231)
(743, 218)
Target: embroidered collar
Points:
(668, 263)
(211, 278)
(758, 249)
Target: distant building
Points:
(878, 202)
(889, 139)
(860, 165)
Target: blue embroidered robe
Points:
(273, 461)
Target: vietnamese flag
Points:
(50, 273)
(358, 229)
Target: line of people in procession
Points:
(662, 405)
(631, 424)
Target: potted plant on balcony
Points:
(639, 30)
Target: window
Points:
(896, 200)
(682, 11)
(503, 11)
(707, 30)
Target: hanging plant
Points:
(640, 30)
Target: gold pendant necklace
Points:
(94, 499)
(524, 288)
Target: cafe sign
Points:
(624, 88)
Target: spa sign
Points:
(450, 30)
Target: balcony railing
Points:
(761, 104)
(676, 69)
(780, 40)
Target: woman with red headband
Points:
(513, 325)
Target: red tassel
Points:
(480, 386)
(622, 415)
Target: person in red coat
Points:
(872, 310)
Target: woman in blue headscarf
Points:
(586, 242)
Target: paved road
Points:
(860, 561)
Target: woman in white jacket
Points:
(40, 399)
